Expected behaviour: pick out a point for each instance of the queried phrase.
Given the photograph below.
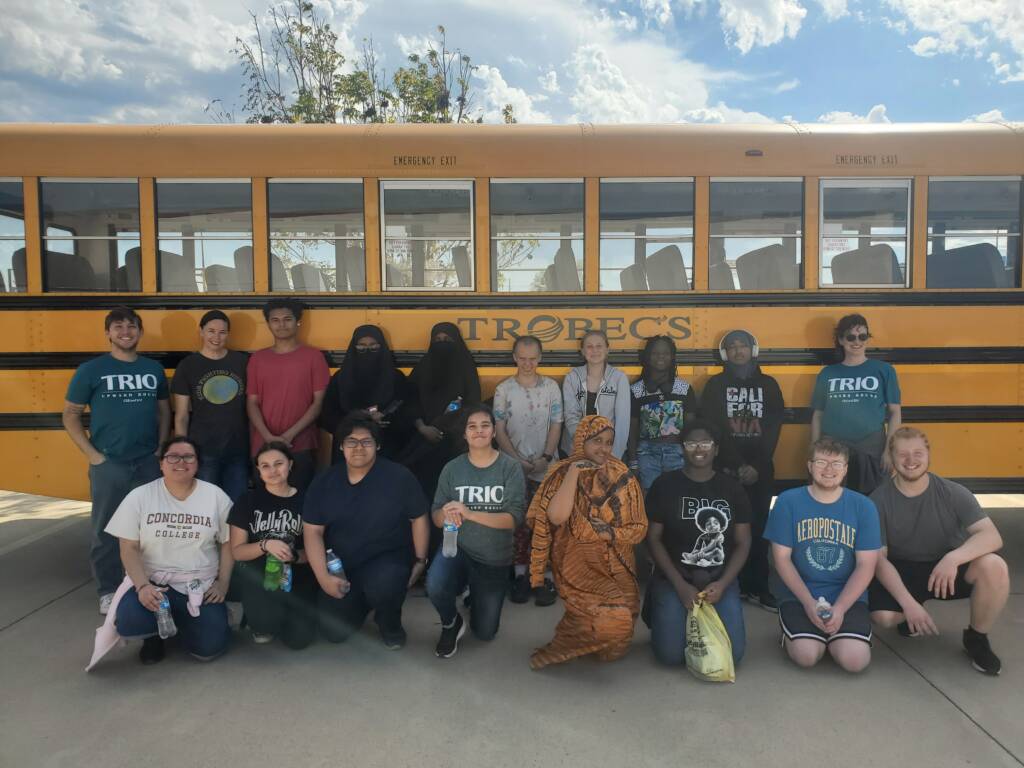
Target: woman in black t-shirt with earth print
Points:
(699, 538)
(268, 521)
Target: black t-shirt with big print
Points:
(699, 520)
(266, 516)
(216, 393)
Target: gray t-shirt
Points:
(925, 528)
(494, 489)
(528, 413)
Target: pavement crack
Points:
(50, 602)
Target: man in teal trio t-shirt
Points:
(130, 419)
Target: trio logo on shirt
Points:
(129, 387)
(744, 407)
(828, 540)
(712, 520)
(853, 388)
(482, 498)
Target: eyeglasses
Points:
(704, 445)
(352, 443)
(857, 336)
(367, 348)
(826, 464)
(174, 458)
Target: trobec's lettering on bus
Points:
(550, 328)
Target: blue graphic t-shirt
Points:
(825, 539)
(122, 399)
(853, 398)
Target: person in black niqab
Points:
(368, 380)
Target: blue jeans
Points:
(229, 473)
(449, 576)
(204, 636)
(668, 621)
(656, 457)
(109, 483)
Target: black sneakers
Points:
(152, 650)
(395, 640)
(520, 591)
(448, 644)
(546, 595)
(980, 652)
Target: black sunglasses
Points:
(857, 336)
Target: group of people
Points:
(583, 492)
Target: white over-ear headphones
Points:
(755, 348)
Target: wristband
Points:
(263, 546)
(546, 456)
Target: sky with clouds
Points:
(560, 61)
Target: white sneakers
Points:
(105, 601)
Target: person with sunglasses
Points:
(371, 512)
(855, 402)
(699, 539)
(825, 543)
(175, 544)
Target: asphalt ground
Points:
(919, 704)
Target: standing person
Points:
(481, 493)
(129, 420)
(699, 539)
(586, 517)
(174, 536)
(596, 388)
(660, 404)
(825, 543)
(444, 380)
(372, 513)
(937, 542)
(855, 402)
(528, 416)
(368, 380)
(209, 406)
(746, 406)
(286, 384)
(267, 521)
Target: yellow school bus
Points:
(637, 230)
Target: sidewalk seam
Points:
(44, 605)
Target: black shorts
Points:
(796, 625)
(915, 579)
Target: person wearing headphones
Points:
(747, 407)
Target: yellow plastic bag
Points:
(708, 648)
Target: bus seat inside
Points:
(871, 265)
(129, 277)
(632, 278)
(221, 278)
(768, 268)
(460, 260)
(243, 266)
(18, 266)
(176, 276)
(395, 278)
(278, 274)
(567, 277)
(666, 271)
(352, 263)
(68, 272)
(306, 277)
(972, 266)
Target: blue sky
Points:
(562, 61)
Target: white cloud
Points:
(549, 82)
(877, 114)
(495, 93)
(415, 44)
(658, 11)
(956, 82)
(788, 85)
(992, 116)
(515, 60)
(834, 9)
(750, 23)
(983, 28)
(723, 114)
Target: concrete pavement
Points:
(919, 704)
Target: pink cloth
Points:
(107, 637)
(285, 385)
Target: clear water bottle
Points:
(454, 405)
(165, 625)
(450, 544)
(823, 609)
(286, 577)
(272, 574)
(334, 566)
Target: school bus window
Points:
(428, 235)
(316, 236)
(12, 236)
(205, 235)
(865, 233)
(646, 235)
(756, 228)
(537, 235)
(91, 239)
(974, 233)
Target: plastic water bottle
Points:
(450, 544)
(334, 566)
(823, 609)
(165, 625)
(454, 405)
(286, 577)
(272, 574)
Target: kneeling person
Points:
(937, 542)
(372, 513)
(825, 543)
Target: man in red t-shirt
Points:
(286, 385)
